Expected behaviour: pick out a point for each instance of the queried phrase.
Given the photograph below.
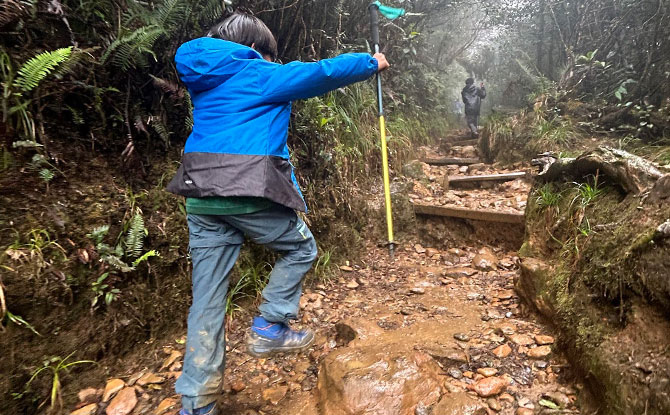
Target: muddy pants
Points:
(473, 122)
(214, 243)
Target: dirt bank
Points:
(595, 262)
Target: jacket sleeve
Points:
(481, 92)
(301, 80)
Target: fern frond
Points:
(170, 13)
(98, 233)
(128, 51)
(12, 10)
(189, 118)
(117, 263)
(169, 87)
(39, 67)
(135, 237)
(212, 10)
(160, 128)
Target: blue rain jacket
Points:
(241, 111)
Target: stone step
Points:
(443, 161)
(500, 177)
(472, 214)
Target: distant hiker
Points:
(472, 98)
(238, 181)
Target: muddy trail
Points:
(437, 330)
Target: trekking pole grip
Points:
(374, 25)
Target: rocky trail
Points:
(438, 330)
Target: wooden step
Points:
(500, 177)
(466, 213)
(447, 160)
(464, 143)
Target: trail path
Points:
(439, 330)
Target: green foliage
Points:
(131, 50)
(57, 366)
(587, 192)
(134, 240)
(36, 69)
(547, 196)
(129, 246)
(102, 290)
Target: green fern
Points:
(39, 67)
(171, 13)
(161, 129)
(129, 50)
(97, 234)
(134, 241)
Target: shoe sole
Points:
(278, 350)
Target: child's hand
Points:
(382, 63)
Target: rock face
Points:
(373, 381)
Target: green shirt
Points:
(232, 205)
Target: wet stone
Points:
(544, 340)
(455, 373)
(417, 290)
(462, 337)
(502, 351)
(123, 403)
(89, 409)
(112, 386)
(352, 284)
(487, 387)
(541, 364)
(238, 386)
(150, 378)
(166, 405)
(487, 371)
(494, 404)
(539, 352)
(521, 339)
(275, 395)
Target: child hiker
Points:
(238, 181)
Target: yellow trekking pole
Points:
(391, 13)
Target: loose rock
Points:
(112, 386)
(502, 351)
(166, 405)
(123, 403)
(275, 395)
(462, 337)
(522, 339)
(489, 386)
(89, 409)
(539, 352)
(543, 340)
(487, 371)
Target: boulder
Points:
(374, 380)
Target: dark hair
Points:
(469, 81)
(246, 30)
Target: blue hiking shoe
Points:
(266, 338)
(211, 409)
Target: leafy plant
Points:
(17, 85)
(56, 366)
(103, 290)
(129, 245)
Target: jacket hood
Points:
(470, 88)
(206, 62)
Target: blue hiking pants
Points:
(214, 243)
